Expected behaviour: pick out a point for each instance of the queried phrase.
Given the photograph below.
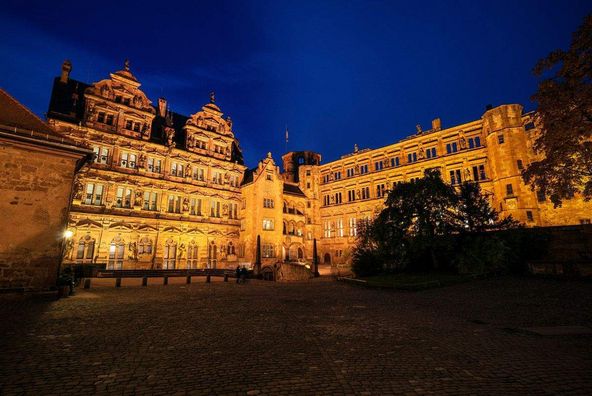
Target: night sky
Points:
(336, 72)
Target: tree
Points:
(564, 113)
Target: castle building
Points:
(491, 151)
(168, 191)
(164, 189)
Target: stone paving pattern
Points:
(320, 337)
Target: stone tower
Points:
(508, 155)
(294, 159)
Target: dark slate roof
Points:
(293, 189)
(248, 176)
(14, 114)
(67, 104)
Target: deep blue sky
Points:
(337, 72)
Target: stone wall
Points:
(35, 186)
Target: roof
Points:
(19, 120)
(67, 104)
(293, 189)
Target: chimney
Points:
(436, 124)
(66, 69)
(162, 107)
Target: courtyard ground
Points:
(318, 337)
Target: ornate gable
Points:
(118, 105)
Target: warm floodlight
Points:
(68, 234)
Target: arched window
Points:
(145, 246)
(285, 228)
(116, 252)
(230, 249)
(86, 249)
(192, 258)
(170, 254)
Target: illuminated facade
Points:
(164, 189)
(170, 191)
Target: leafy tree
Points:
(564, 113)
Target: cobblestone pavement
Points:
(318, 337)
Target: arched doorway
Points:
(327, 258)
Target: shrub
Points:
(481, 254)
(366, 262)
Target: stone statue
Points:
(421, 153)
(467, 174)
(142, 161)
(418, 128)
(185, 204)
(187, 171)
(68, 248)
(138, 200)
(225, 210)
(145, 130)
(461, 140)
(79, 190)
(358, 195)
(356, 149)
(133, 251)
(170, 135)
(229, 122)
(212, 97)
(181, 253)
(126, 65)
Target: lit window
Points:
(123, 198)
(268, 224)
(94, 194)
(150, 200)
(529, 216)
(500, 138)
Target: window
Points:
(338, 198)
(541, 196)
(308, 172)
(150, 200)
(520, 164)
(500, 138)
(325, 178)
(479, 173)
(363, 169)
(395, 162)
(451, 148)
(307, 184)
(339, 227)
(230, 249)
(380, 190)
(411, 157)
(154, 165)
(365, 192)
(176, 169)
(192, 255)
(353, 230)
(217, 177)
(118, 99)
(455, 177)
(529, 216)
(200, 144)
(128, 160)
(431, 152)
(101, 154)
(378, 166)
(195, 207)
(129, 124)
(509, 189)
(86, 248)
(233, 180)
(109, 119)
(136, 127)
(474, 142)
(219, 149)
(350, 172)
(145, 246)
(214, 208)
(337, 175)
(198, 174)
(585, 221)
(327, 229)
(268, 224)
(116, 253)
(267, 250)
(174, 204)
(101, 117)
(351, 195)
(268, 203)
(123, 197)
(269, 177)
(169, 255)
(94, 194)
(233, 211)
(326, 200)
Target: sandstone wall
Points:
(35, 188)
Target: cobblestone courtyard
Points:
(317, 337)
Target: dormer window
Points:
(126, 101)
(129, 125)
(118, 99)
(101, 117)
(109, 119)
(219, 149)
